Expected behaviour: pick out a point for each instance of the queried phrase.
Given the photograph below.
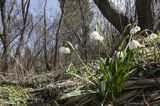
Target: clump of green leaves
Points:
(110, 78)
(17, 95)
(113, 74)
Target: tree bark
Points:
(57, 34)
(25, 10)
(115, 17)
(148, 15)
(45, 40)
(5, 39)
(85, 32)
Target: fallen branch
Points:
(141, 83)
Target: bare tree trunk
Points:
(45, 39)
(148, 15)
(85, 32)
(117, 18)
(57, 34)
(25, 9)
(5, 38)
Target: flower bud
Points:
(135, 30)
(95, 36)
(64, 50)
(134, 44)
(151, 37)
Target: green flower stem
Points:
(145, 31)
(128, 43)
(125, 29)
(86, 67)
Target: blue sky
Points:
(52, 7)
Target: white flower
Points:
(135, 30)
(96, 36)
(64, 50)
(101, 38)
(120, 54)
(134, 44)
(151, 37)
(76, 46)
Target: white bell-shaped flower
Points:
(134, 44)
(120, 54)
(151, 37)
(95, 36)
(135, 30)
(76, 46)
(101, 38)
(64, 50)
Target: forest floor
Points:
(48, 87)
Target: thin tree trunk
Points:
(25, 9)
(84, 28)
(57, 34)
(5, 39)
(45, 39)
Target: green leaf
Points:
(70, 44)
(103, 68)
(98, 27)
(77, 93)
(103, 87)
